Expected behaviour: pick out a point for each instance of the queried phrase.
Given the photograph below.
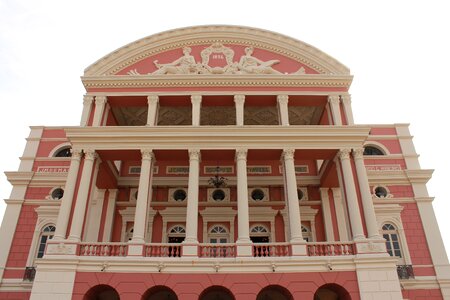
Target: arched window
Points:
(64, 152)
(274, 292)
(159, 292)
(390, 234)
(177, 234)
(331, 291)
(101, 292)
(218, 234)
(259, 234)
(371, 150)
(216, 292)
(46, 234)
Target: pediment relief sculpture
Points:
(186, 64)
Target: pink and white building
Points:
(220, 162)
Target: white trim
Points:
(59, 148)
(265, 190)
(218, 215)
(210, 198)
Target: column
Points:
(82, 196)
(327, 214)
(352, 198)
(196, 101)
(347, 103)
(142, 199)
(340, 214)
(283, 109)
(87, 106)
(100, 102)
(335, 109)
(242, 197)
(295, 224)
(109, 218)
(67, 199)
(153, 101)
(239, 100)
(192, 197)
(369, 211)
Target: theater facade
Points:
(220, 162)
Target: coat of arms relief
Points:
(216, 59)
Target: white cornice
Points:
(198, 81)
(201, 35)
(214, 137)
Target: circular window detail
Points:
(179, 195)
(381, 192)
(57, 194)
(300, 194)
(218, 195)
(258, 195)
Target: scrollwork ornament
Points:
(344, 154)
(239, 99)
(241, 154)
(283, 99)
(333, 99)
(87, 99)
(288, 154)
(147, 154)
(90, 154)
(76, 153)
(152, 99)
(194, 154)
(196, 99)
(99, 100)
(358, 153)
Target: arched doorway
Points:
(101, 292)
(159, 292)
(331, 291)
(216, 293)
(274, 292)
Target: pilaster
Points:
(239, 101)
(347, 104)
(334, 102)
(153, 103)
(87, 108)
(100, 103)
(196, 101)
(283, 109)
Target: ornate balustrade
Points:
(103, 249)
(162, 250)
(331, 249)
(271, 249)
(217, 250)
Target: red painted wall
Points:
(422, 294)
(15, 295)
(190, 286)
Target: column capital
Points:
(87, 99)
(288, 154)
(152, 99)
(196, 99)
(90, 154)
(344, 154)
(194, 154)
(241, 154)
(147, 154)
(346, 98)
(76, 153)
(333, 99)
(239, 99)
(283, 99)
(358, 153)
(100, 100)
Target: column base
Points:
(366, 246)
(189, 249)
(135, 249)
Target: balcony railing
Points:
(162, 250)
(331, 249)
(271, 249)
(103, 249)
(217, 250)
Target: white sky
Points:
(398, 52)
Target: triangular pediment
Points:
(216, 50)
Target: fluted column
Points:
(369, 211)
(142, 201)
(242, 196)
(153, 101)
(192, 199)
(82, 196)
(295, 224)
(352, 198)
(87, 106)
(196, 101)
(67, 199)
(239, 100)
(347, 103)
(333, 100)
(283, 109)
(100, 103)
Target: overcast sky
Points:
(398, 52)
